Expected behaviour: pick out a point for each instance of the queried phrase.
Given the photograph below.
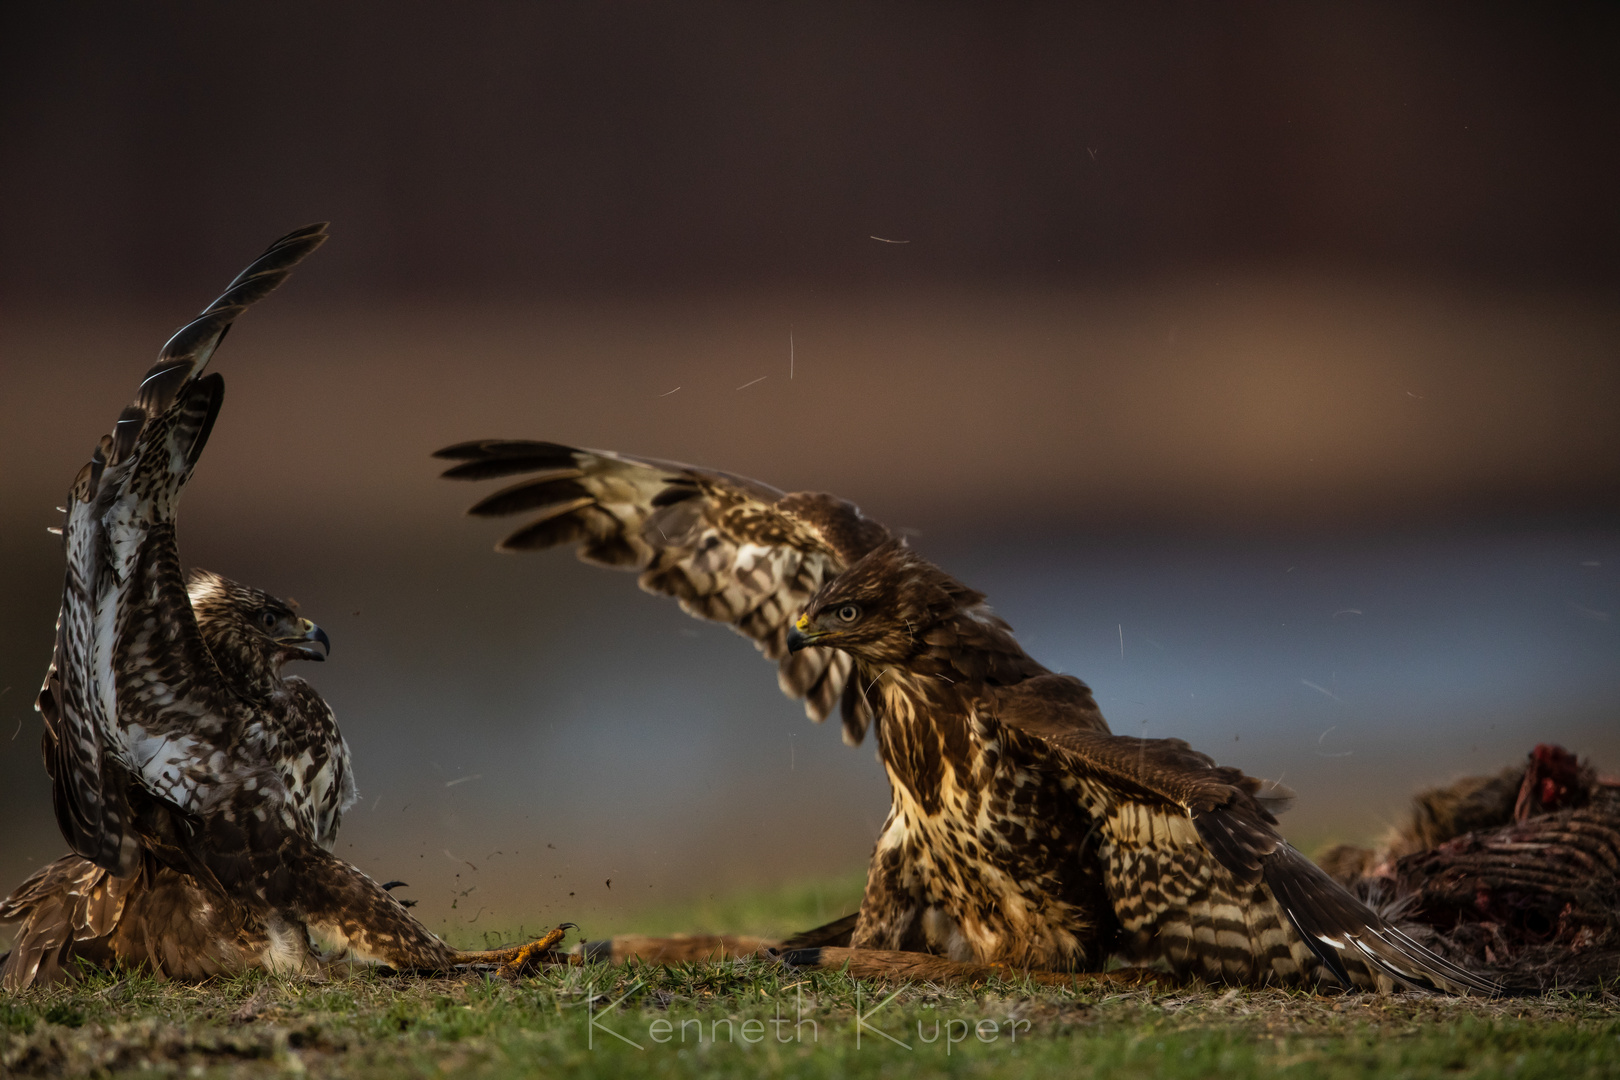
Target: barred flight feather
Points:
(727, 549)
(1020, 831)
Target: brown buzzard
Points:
(199, 788)
(1021, 832)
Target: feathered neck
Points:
(973, 645)
(243, 660)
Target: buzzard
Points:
(199, 788)
(1020, 832)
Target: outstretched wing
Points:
(729, 549)
(130, 671)
(1198, 872)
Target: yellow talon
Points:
(513, 962)
(533, 953)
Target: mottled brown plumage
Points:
(72, 914)
(159, 918)
(189, 775)
(1021, 832)
(727, 548)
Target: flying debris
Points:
(199, 788)
(1021, 832)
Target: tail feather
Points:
(52, 907)
(1353, 941)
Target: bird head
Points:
(248, 631)
(881, 607)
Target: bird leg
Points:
(679, 949)
(519, 959)
(287, 880)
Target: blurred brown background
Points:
(1259, 360)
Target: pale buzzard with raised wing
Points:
(199, 788)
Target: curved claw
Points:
(515, 962)
(534, 953)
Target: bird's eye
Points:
(848, 613)
(268, 618)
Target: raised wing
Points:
(727, 548)
(126, 634)
(1197, 871)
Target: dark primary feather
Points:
(184, 354)
(729, 549)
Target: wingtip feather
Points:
(185, 353)
(1322, 912)
(487, 459)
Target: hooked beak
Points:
(312, 633)
(800, 635)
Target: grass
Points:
(765, 912)
(739, 1019)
